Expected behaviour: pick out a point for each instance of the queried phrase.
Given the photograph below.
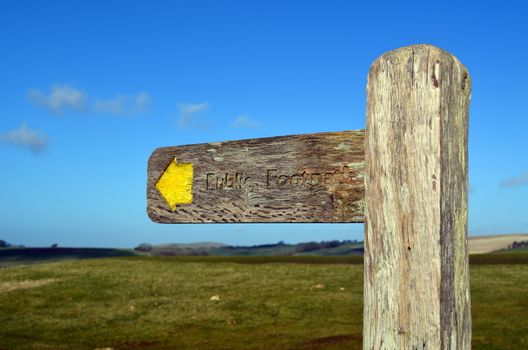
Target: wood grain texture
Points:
(416, 293)
(299, 178)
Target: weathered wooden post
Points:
(409, 179)
(416, 275)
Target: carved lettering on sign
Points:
(311, 178)
(274, 178)
(236, 180)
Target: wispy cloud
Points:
(516, 181)
(244, 121)
(60, 99)
(189, 113)
(123, 104)
(23, 137)
(66, 98)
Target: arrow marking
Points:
(175, 184)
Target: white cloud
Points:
(189, 113)
(142, 100)
(516, 181)
(63, 98)
(123, 104)
(25, 138)
(115, 105)
(243, 121)
(60, 99)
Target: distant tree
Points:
(4, 244)
(144, 247)
(516, 245)
(54, 245)
(330, 244)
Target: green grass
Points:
(257, 260)
(265, 303)
(499, 307)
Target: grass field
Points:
(227, 303)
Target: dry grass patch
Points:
(10, 286)
(488, 244)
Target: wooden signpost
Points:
(405, 177)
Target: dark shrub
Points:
(144, 247)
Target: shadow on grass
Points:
(24, 256)
(478, 259)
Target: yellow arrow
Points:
(175, 184)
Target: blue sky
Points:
(90, 88)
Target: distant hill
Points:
(197, 245)
(477, 245)
(324, 248)
(488, 244)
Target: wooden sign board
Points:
(299, 178)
